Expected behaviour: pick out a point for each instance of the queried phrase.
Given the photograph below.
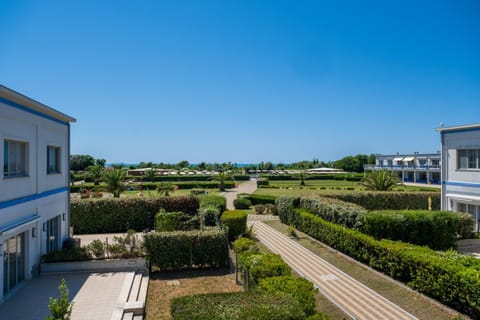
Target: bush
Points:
(217, 201)
(244, 244)
(242, 203)
(262, 182)
(119, 215)
(187, 249)
(261, 199)
(435, 229)
(65, 255)
(375, 200)
(172, 221)
(257, 266)
(301, 290)
(449, 277)
(210, 215)
(236, 305)
(260, 209)
(235, 221)
(198, 192)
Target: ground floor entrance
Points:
(13, 262)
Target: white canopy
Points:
(409, 159)
(398, 159)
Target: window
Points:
(53, 159)
(468, 159)
(14, 159)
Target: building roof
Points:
(465, 127)
(25, 103)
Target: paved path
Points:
(94, 295)
(244, 187)
(355, 299)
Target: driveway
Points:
(244, 187)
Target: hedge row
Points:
(153, 186)
(242, 203)
(187, 249)
(235, 221)
(435, 229)
(119, 215)
(451, 278)
(260, 199)
(372, 200)
(257, 266)
(340, 176)
(236, 305)
(187, 178)
(213, 200)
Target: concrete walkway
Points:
(94, 295)
(244, 187)
(354, 298)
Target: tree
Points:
(182, 164)
(61, 309)
(165, 188)
(114, 179)
(96, 173)
(79, 162)
(149, 175)
(221, 177)
(381, 180)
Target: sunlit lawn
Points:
(150, 194)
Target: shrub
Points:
(236, 305)
(272, 209)
(260, 199)
(97, 248)
(187, 249)
(244, 244)
(119, 215)
(198, 192)
(436, 229)
(213, 200)
(258, 266)
(242, 203)
(300, 289)
(65, 255)
(262, 182)
(236, 222)
(260, 209)
(395, 200)
(171, 221)
(209, 215)
(449, 277)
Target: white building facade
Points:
(415, 168)
(34, 185)
(461, 170)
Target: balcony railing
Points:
(401, 167)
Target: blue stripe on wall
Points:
(14, 202)
(27, 109)
(462, 184)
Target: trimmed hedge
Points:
(236, 222)
(187, 249)
(244, 244)
(260, 199)
(188, 178)
(257, 266)
(378, 200)
(217, 201)
(236, 305)
(184, 185)
(300, 289)
(174, 221)
(449, 277)
(242, 203)
(119, 215)
(435, 229)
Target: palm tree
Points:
(114, 179)
(165, 188)
(221, 177)
(149, 175)
(96, 173)
(381, 180)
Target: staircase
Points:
(131, 301)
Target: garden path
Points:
(244, 187)
(354, 298)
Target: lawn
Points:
(421, 307)
(149, 194)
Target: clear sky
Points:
(246, 81)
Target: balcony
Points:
(432, 168)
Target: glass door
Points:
(53, 226)
(13, 262)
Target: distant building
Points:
(34, 180)
(415, 168)
(461, 169)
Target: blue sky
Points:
(246, 81)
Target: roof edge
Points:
(32, 104)
(460, 127)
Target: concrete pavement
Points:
(244, 187)
(354, 298)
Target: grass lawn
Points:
(403, 297)
(167, 285)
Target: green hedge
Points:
(435, 229)
(300, 289)
(451, 278)
(244, 244)
(260, 198)
(217, 201)
(242, 203)
(184, 185)
(175, 221)
(187, 178)
(187, 249)
(235, 221)
(262, 182)
(119, 215)
(378, 200)
(236, 305)
(257, 266)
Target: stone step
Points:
(135, 288)
(128, 316)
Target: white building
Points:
(416, 167)
(461, 169)
(34, 178)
